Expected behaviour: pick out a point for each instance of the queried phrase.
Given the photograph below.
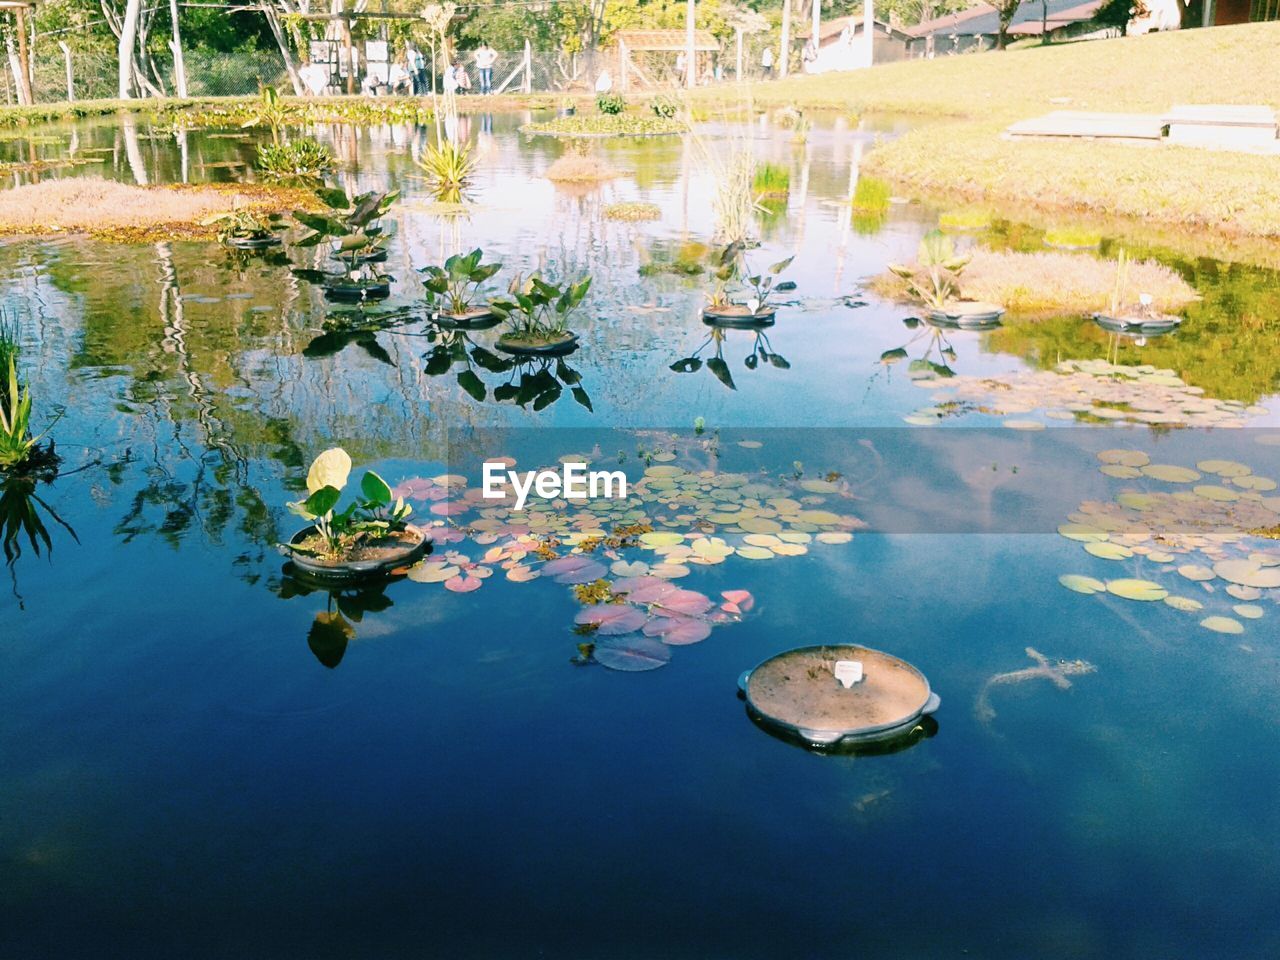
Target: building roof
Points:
(674, 40)
(984, 19)
(834, 27)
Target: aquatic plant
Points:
(607, 125)
(611, 104)
(357, 237)
(454, 287)
(375, 513)
(303, 158)
(942, 268)
(975, 218)
(538, 311)
(734, 199)
(449, 167)
(17, 445)
(632, 211)
(733, 266)
(530, 381)
(665, 106)
(269, 111)
(242, 224)
(771, 180)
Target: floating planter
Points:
(253, 242)
(517, 345)
(368, 538)
(374, 557)
(968, 314)
(453, 291)
(346, 290)
(738, 316)
(1145, 324)
(477, 318)
(842, 695)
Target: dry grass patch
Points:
(633, 211)
(574, 167)
(111, 210)
(1056, 282)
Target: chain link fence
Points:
(93, 73)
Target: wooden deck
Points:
(1082, 123)
(1224, 126)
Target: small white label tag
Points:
(848, 672)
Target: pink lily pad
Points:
(611, 619)
(687, 602)
(449, 508)
(574, 568)
(463, 584)
(737, 601)
(652, 591)
(678, 631)
(632, 653)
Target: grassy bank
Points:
(229, 109)
(974, 98)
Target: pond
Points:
(205, 754)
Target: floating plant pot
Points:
(555, 348)
(842, 696)
(738, 316)
(378, 256)
(1146, 324)
(968, 314)
(479, 318)
(253, 243)
(376, 557)
(356, 291)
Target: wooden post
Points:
(66, 57)
(623, 80)
(179, 67)
(24, 59)
(815, 29)
(737, 71)
(690, 52)
(528, 67)
(784, 55)
(347, 50)
(868, 31)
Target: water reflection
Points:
(761, 352)
(345, 608)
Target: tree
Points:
(1006, 9)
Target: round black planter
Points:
(1141, 325)
(394, 555)
(481, 318)
(979, 316)
(558, 349)
(344, 292)
(739, 319)
(378, 256)
(253, 243)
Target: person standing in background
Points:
(485, 58)
(418, 71)
(766, 63)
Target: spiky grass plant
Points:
(449, 167)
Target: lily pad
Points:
(1171, 473)
(611, 619)
(1082, 584)
(1109, 551)
(1222, 625)
(1185, 604)
(1146, 590)
(1248, 573)
(678, 631)
(632, 653)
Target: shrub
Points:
(449, 167)
(665, 106)
(302, 158)
(611, 103)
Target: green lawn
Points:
(971, 99)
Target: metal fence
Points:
(93, 74)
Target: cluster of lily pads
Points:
(1090, 391)
(622, 556)
(1202, 529)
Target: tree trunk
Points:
(179, 67)
(784, 55)
(24, 59)
(128, 42)
(282, 42)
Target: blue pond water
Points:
(181, 773)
